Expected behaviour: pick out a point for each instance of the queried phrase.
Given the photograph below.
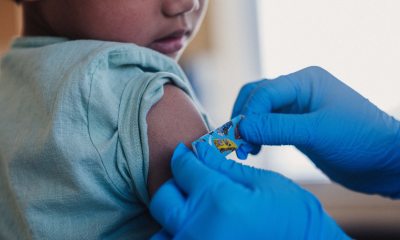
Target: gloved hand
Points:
(346, 136)
(215, 198)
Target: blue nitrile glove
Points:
(344, 134)
(161, 235)
(215, 198)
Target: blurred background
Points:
(242, 41)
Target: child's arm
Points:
(172, 120)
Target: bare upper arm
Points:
(172, 120)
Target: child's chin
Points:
(174, 56)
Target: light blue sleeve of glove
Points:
(346, 136)
(214, 198)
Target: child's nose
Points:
(173, 8)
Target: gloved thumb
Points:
(213, 159)
(277, 129)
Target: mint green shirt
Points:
(73, 134)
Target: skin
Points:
(142, 22)
(166, 26)
(165, 135)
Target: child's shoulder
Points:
(115, 54)
(92, 64)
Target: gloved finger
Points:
(244, 93)
(190, 174)
(278, 129)
(241, 153)
(247, 148)
(215, 160)
(272, 95)
(293, 91)
(161, 235)
(168, 206)
(241, 174)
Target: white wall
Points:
(357, 40)
(233, 59)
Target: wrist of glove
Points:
(214, 198)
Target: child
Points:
(92, 105)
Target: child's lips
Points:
(170, 44)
